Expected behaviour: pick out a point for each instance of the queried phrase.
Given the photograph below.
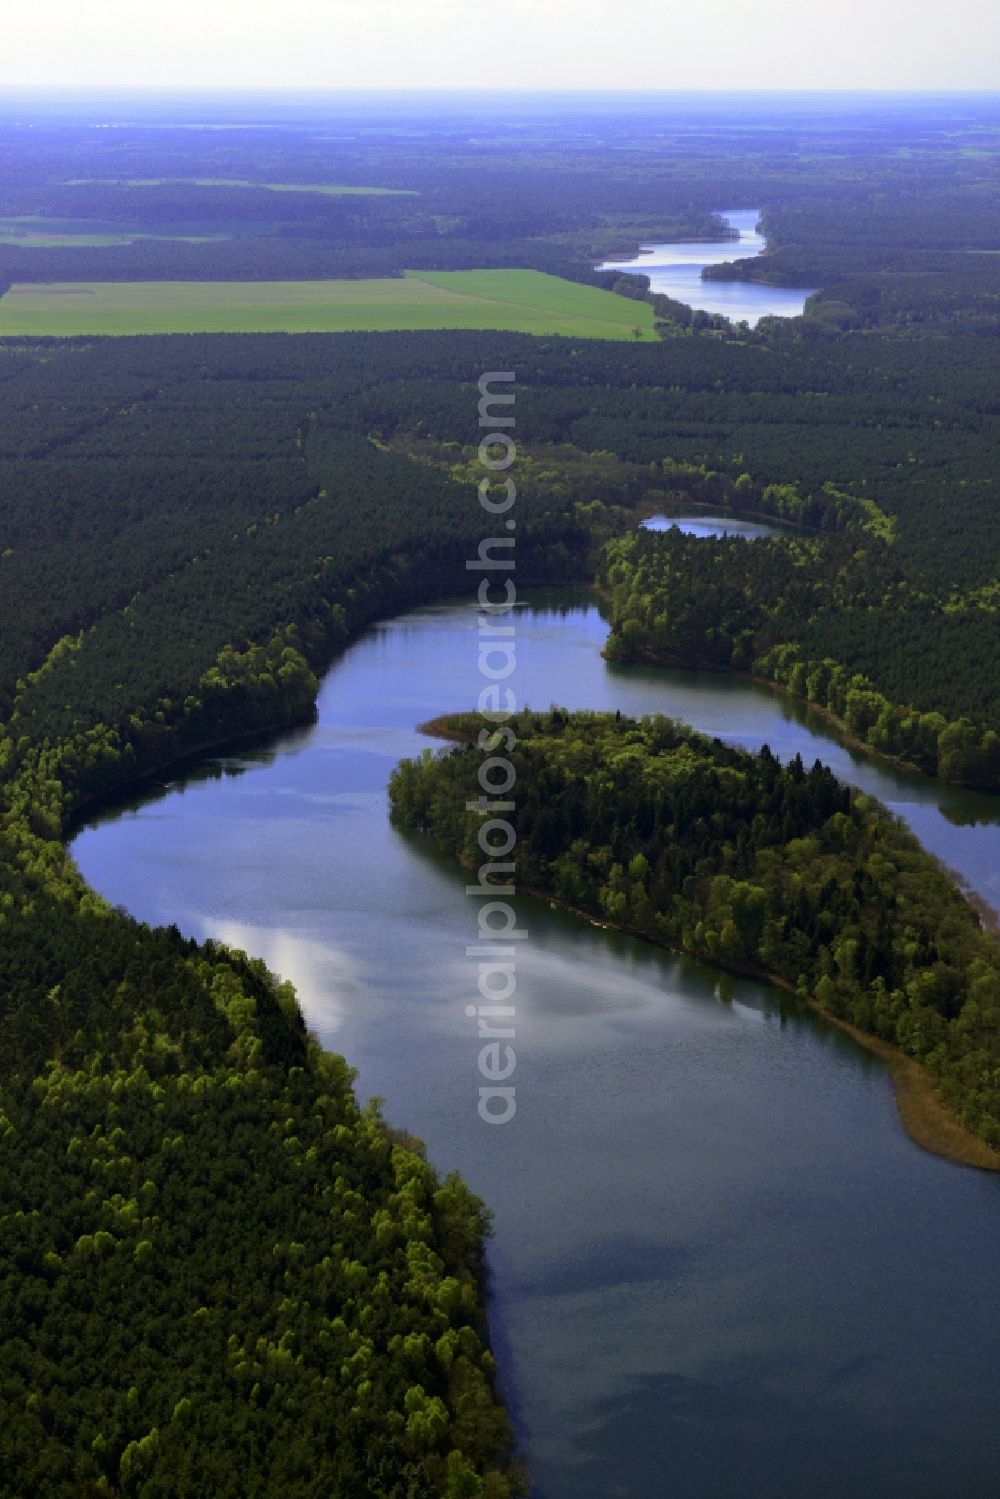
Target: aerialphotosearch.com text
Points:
(498, 935)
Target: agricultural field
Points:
(32, 232)
(330, 189)
(516, 301)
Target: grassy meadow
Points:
(515, 301)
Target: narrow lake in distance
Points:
(707, 525)
(674, 270)
(720, 1268)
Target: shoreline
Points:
(649, 245)
(923, 1112)
(989, 917)
(118, 795)
(846, 736)
(644, 511)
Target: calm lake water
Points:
(675, 271)
(720, 1268)
(713, 525)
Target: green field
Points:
(331, 189)
(32, 232)
(511, 301)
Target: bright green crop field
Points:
(509, 300)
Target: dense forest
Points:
(740, 859)
(219, 1275)
(222, 1276)
(806, 623)
(904, 528)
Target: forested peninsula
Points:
(778, 870)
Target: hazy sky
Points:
(503, 43)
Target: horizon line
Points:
(284, 89)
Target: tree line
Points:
(745, 861)
(797, 612)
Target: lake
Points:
(720, 1268)
(675, 271)
(714, 525)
